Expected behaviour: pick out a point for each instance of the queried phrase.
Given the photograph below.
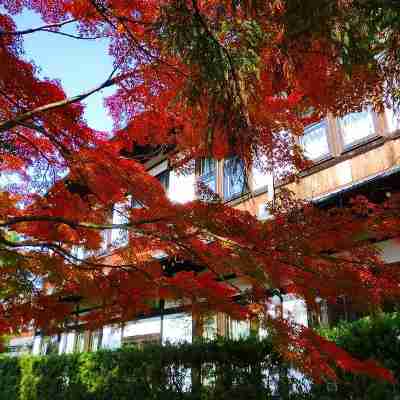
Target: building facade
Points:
(356, 154)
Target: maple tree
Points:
(206, 79)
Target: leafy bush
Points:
(10, 375)
(219, 370)
(377, 338)
(247, 369)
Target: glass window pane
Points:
(357, 126)
(142, 331)
(80, 342)
(207, 174)
(207, 165)
(177, 328)
(95, 342)
(69, 347)
(141, 327)
(393, 120)
(119, 237)
(210, 327)
(210, 181)
(234, 178)
(315, 141)
(239, 329)
(182, 187)
(164, 179)
(111, 337)
(295, 309)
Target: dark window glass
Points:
(208, 174)
(164, 179)
(234, 178)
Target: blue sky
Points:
(78, 64)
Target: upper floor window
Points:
(234, 178)
(208, 175)
(356, 127)
(315, 141)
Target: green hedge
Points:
(375, 338)
(10, 376)
(247, 369)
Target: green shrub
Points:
(375, 338)
(220, 370)
(10, 376)
(247, 369)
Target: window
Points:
(111, 337)
(210, 327)
(49, 345)
(79, 342)
(177, 328)
(147, 330)
(234, 178)
(239, 329)
(208, 176)
(314, 141)
(119, 237)
(393, 120)
(356, 127)
(95, 340)
(181, 187)
(164, 179)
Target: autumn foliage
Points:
(204, 79)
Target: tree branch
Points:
(19, 119)
(74, 224)
(40, 28)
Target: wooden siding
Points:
(348, 172)
(338, 173)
